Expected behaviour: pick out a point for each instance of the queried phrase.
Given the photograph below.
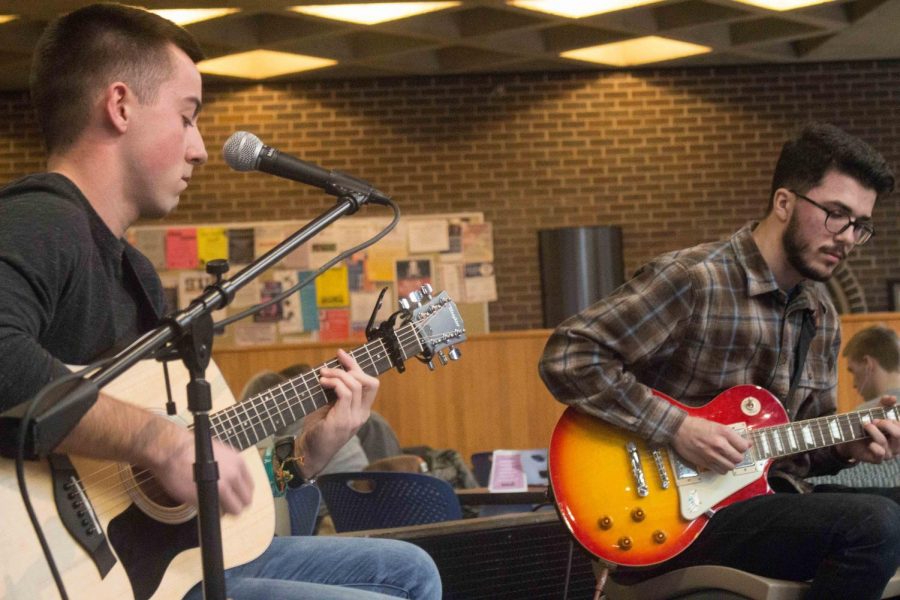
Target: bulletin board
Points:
(452, 252)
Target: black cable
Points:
(568, 570)
(219, 325)
(20, 466)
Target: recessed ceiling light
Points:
(262, 64)
(185, 16)
(374, 12)
(576, 9)
(637, 51)
(7, 18)
(782, 5)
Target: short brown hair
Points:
(880, 343)
(82, 52)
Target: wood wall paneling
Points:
(491, 398)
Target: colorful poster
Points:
(240, 246)
(309, 309)
(332, 288)
(181, 248)
(272, 313)
(212, 243)
(411, 275)
(334, 324)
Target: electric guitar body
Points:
(631, 504)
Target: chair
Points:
(375, 500)
(711, 582)
(303, 508)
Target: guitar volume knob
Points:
(659, 536)
(625, 543)
(605, 523)
(638, 515)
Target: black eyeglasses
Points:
(837, 222)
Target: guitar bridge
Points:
(77, 514)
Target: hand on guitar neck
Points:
(330, 427)
(883, 442)
(710, 445)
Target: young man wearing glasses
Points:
(695, 322)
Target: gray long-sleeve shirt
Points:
(70, 291)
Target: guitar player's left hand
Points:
(883, 443)
(330, 427)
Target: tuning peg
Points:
(455, 354)
(415, 298)
(426, 290)
(404, 304)
(430, 365)
(442, 357)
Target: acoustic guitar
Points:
(111, 529)
(631, 504)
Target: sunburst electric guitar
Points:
(629, 504)
(112, 532)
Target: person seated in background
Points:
(873, 359)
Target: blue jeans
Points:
(333, 568)
(846, 542)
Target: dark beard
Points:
(794, 250)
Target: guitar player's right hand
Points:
(176, 475)
(709, 445)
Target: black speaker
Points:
(579, 265)
(505, 557)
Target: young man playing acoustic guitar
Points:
(118, 96)
(696, 322)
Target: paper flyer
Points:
(309, 309)
(411, 275)
(240, 246)
(272, 313)
(477, 242)
(266, 237)
(332, 289)
(181, 248)
(291, 315)
(481, 285)
(428, 236)
(451, 280)
(322, 248)
(254, 334)
(334, 324)
(152, 243)
(212, 243)
(507, 472)
(361, 306)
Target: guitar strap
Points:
(807, 333)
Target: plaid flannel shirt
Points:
(691, 324)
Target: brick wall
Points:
(673, 156)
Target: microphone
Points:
(246, 152)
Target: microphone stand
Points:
(191, 331)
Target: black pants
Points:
(847, 541)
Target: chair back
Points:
(303, 508)
(374, 500)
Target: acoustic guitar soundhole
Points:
(150, 488)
